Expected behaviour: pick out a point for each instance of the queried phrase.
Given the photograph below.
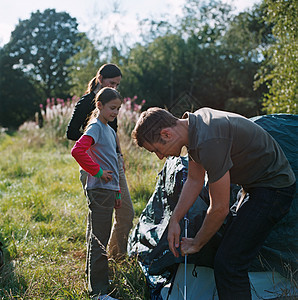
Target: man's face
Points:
(162, 150)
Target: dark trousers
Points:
(247, 229)
(101, 205)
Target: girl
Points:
(96, 153)
(108, 75)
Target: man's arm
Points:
(219, 192)
(190, 191)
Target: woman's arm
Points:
(79, 116)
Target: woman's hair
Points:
(105, 95)
(149, 125)
(106, 71)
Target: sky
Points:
(88, 11)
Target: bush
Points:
(129, 114)
(52, 120)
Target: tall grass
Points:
(43, 211)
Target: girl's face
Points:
(109, 111)
(110, 82)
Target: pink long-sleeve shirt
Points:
(79, 152)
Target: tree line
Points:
(210, 56)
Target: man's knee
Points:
(226, 265)
(221, 266)
(229, 267)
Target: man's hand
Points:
(173, 237)
(190, 191)
(188, 246)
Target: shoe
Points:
(106, 297)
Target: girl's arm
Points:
(79, 152)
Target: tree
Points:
(154, 72)
(42, 45)
(83, 66)
(183, 62)
(209, 57)
(109, 32)
(243, 44)
(280, 68)
(19, 96)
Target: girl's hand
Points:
(107, 175)
(118, 203)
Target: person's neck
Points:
(102, 120)
(182, 127)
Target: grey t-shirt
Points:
(103, 152)
(222, 141)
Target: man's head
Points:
(156, 130)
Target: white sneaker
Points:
(106, 297)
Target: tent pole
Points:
(186, 221)
(185, 257)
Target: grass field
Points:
(43, 210)
(43, 218)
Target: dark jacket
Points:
(80, 115)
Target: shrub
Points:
(52, 120)
(55, 117)
(129, 114)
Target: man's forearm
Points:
(212, 222)
(189, 195)
(219, 193)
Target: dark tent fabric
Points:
(149, 238)
(280, 250)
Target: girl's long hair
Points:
(106, 71)
(105, 95)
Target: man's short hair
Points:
(149, 125)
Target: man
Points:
(229, 149)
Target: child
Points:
(96, 153)
(108, 75)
